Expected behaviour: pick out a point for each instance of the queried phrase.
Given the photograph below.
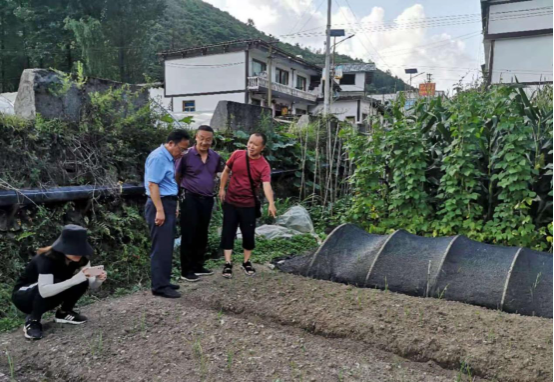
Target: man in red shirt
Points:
(239, 203)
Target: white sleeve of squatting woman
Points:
(47, 288)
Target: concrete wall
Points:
(207, 103)
(345, 109)
(40, 93)
(157, 95)
(206, 74)
(515, 17)
(528, 58)
(237, 116)
(7, 101)
(358, 86)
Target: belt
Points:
(168, 197)
(195, 195)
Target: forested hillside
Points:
(119, 40)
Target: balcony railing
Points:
(257, 83)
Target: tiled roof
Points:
(353, 68)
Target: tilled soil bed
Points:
(280, 327)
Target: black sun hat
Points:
(73, 241)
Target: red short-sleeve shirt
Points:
(239, 192)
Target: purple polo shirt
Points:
(196, 176)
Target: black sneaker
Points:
(167, 293)
(174, 286)
(203, 272)
(32, 329)
(69, 317)
(191, 277)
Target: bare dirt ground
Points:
(280, 327)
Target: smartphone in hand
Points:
(95, 271)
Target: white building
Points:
(351, 103)
(517, 41)
(196, 79)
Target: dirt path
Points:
(281, 327)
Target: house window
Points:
(258, 67)
(364, 117)
(189, 106)
(348, 79)
(256, 102)
(351, 120)
(301, 83)
(281, 76)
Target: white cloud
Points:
(401, 45)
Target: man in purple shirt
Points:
(195, 173)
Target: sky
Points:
(438, 37)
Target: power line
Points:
(393, 27)
(460, 68)
(435, 19)
(431, 43)
(431, 46)
(407, 26)
(309, 19)
(368, 40)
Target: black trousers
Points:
(30, 302)
(163, 238)
(196, 213)
(233, 217)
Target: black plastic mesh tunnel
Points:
(516, 280)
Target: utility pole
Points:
(269, 82)
(327, 61)
(332, 66)
(429, 75)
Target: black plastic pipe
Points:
(64, 194)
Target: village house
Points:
(197, 79)
(517, 41)
(352, 102)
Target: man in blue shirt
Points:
(161, 209)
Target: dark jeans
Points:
(233, 217)
(163, 238)
(196, 212)
(30, 302)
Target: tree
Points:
(119, 40)
(116, 43)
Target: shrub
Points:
(479, 164)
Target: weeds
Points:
(464, 374)
(491, 336)
(230, 356)
(96, 345)
(441, 294)
(143, 324)
(198, 352)
(11, 366)
(535, 285)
